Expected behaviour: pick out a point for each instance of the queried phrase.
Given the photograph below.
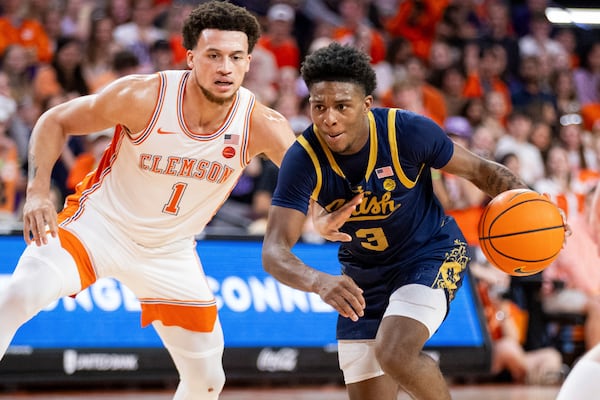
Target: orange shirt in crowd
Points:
(417, 23)
(84, 163)
(434, 105)
(8, 179)
(287, 53)
(378, 45)
(474, 89)
(30, 34)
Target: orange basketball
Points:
(521, 232)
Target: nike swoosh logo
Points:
(162, 132)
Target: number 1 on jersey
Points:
(172, 207)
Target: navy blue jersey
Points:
(399, 213)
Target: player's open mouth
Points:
(223, 83)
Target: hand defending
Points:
(328, 224)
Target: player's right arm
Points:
(80, 116)
(283, 231)
(287, 217)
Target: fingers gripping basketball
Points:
(521, 232)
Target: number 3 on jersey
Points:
(374, 239)
(172, 207)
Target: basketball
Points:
(521, 232)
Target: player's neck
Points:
(203, 114)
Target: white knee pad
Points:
(357, 360)
(198, 358)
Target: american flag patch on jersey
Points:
(232, 139)
(384, 172)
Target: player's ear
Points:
(190, 59)
(368, 103)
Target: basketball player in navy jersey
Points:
(404, 259)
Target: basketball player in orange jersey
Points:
(181, 141)
(582, 383)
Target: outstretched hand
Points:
(343, 294)
(328, 224)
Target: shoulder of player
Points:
(136, 93)
(136, 85)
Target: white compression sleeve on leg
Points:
(582, 383)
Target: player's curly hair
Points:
(338, 63)
(220, 15)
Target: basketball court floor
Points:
(459, 392)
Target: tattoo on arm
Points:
(496, 178)
(32, 168)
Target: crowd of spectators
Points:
(497, 75)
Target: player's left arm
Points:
(491, 177)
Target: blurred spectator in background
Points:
(16, 28)
(75, 19)
(161, 56)
(542, 137)
(538, 42)
(452, 86)
(176, 15)
(565, 92)
(483, 142)
(124, 62)
(119, 11)
(474, 111)
(421, 96)
(139, 34)
(262, 76)
(294, 109)
(523, 12)
(461, 23)
(567, 37)
(87, 161)
(20, 75)
(484, 74)
(356, 30)
(495, 113)
(417, 21)
(11, 179)
(441, 56)
(530, 87)
(582, 156)
(587, 76)
(100, 47)
(278, 38)
(516, 141)
(64, 76)
(498, 31)
(51, 19)
(393, 67)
